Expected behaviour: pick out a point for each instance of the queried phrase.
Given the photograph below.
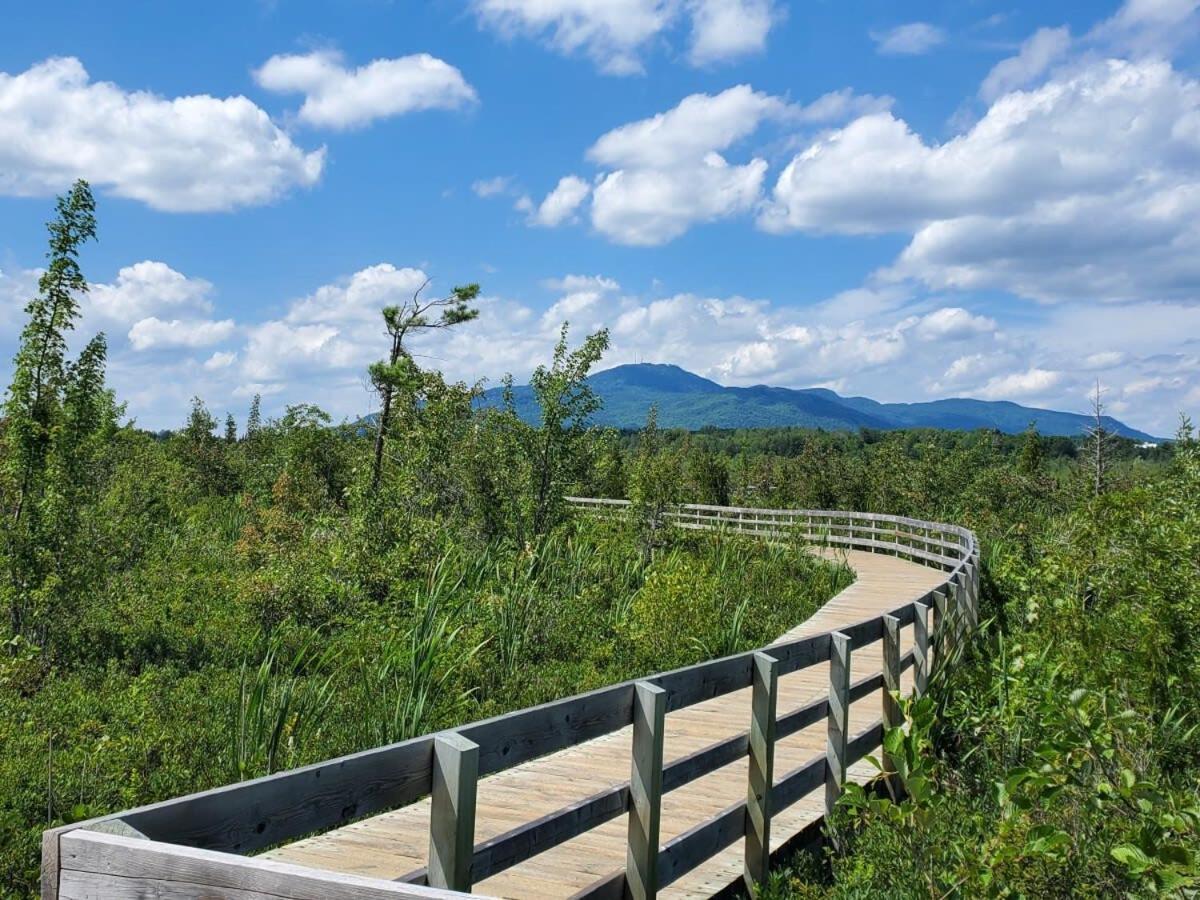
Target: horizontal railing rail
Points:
(236, 820)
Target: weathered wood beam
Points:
(645, 791)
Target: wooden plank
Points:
(798, 783)
(645, 792)
(799, 719)
(764, 705)
(864, 687)
(838, 718)
(98, 866)
(452, 811)
(697, 844)
(520, 844)
(248, 816)
(801, 653)
(513, 738)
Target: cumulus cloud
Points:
(698, 125)
(222, 359)
(728, 29)
(615, 34)
(153, 333)
(339, 97)
(648, 207)
(662, 174)
(1017, 385)
(951, 322)
(910, 39)
(358, 298)
(187, 154)
(1084, 187)
(146, 288)
(561, 204)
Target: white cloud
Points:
(969, 369)
(728, 29)
(146, 288)
(648, 207)
(910, 39)
(1105, 359)
(663, 174)
(952, 322)
(491, 187)
(153, 333)
(840, 105)
(1037, 54)
(358, 298)
(1033, 382)
(1086, 187)
(561, 203)
(222, 359)
(1148, 27)
(187, 154)
(697, 126)
(615, 34)
(339, 97)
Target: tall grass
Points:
(281, 704)
(406, 685)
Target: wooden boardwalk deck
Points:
(395, 843)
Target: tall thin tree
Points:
(53, 410)
(1099, 443)
(399, 373)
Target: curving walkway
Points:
(395, 843)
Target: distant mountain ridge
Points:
(689, 401)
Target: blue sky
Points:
(905, 201)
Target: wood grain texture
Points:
(96, 865)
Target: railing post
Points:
(942, 636)
(836, 747)
(958, 600)
(764, 703)
(452, 811)
(920, 649)
(972, 589)
(645, 790)
(892, 716)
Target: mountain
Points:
(686, 400)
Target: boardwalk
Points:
(393, 844)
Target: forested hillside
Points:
(687, 401)
(237, 598)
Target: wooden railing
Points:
(199, 844)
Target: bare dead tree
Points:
(1099, 443)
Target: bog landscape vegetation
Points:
(235, 598)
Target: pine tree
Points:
(1032, 452)
(254, 419)
(399, 373)
(230, 429)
